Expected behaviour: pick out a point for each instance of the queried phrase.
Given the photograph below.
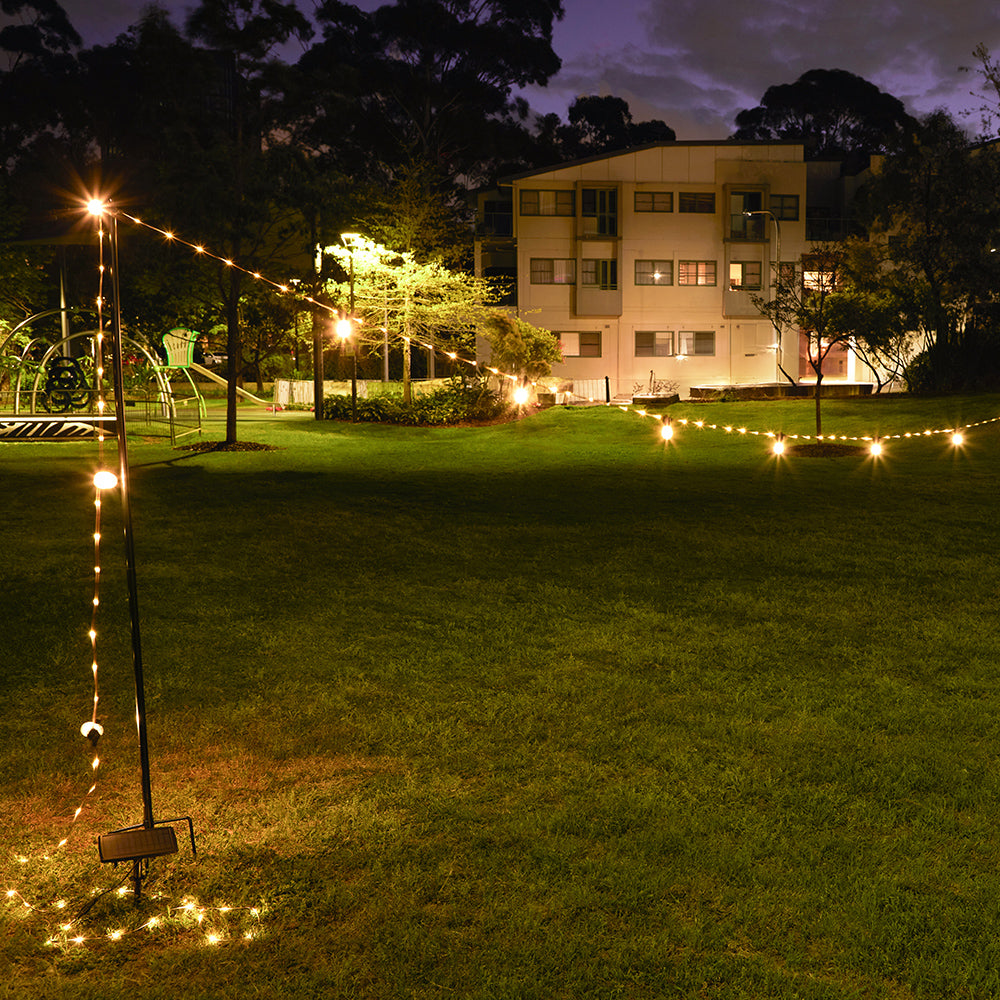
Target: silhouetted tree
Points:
(833, 112)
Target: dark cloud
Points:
(696, 63)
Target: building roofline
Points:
(510, 178)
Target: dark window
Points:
(599, 208)
(546, 203)
(654, 201)
(654, 343)
(602, 273)
(696, 201)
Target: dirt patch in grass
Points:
(825, 449)
(222, 446)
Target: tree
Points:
(604, 124)
(518, 348)
(989, 74)
(876, 305)
(38, 47)
(833, 112)
(936, 203)
(806, 300)
(240, 179)
(434, 77)
(397, 299)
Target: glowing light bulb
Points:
(96, 207)
(105, 480)
(876, 448)
(342, 328)
(667, 431)
(957, 439)
(91, 727)
(778, 447)
(521, 395)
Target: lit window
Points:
(745, 275)
(696, 272)
(654, 272)
(654, 343)
(696, 342)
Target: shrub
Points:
(460, 400)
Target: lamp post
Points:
(345, 327)
(136, 844)
(777, 275)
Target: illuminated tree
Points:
(518, 348)
(400, 300)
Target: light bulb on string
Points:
(105, 479)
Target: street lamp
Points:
(345, 327)
(777, 273)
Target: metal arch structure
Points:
(27, 387)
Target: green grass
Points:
(540, 710)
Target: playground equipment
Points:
(179, 345)
(48, 386)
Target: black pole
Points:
(123, 482)
(354, 373)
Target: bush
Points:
(460, 400)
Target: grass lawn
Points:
(540, 710)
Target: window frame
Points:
(603, 270)
(534, 270)
(696, 202)
(653, 196)
(712, 265)
(659, 339)
(779, 205)
(682, 339)
(562, 199)
(588, 343)
(665, 269)
(743, 285)
(606, 216)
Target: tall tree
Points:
(240, 180)
(38, 47)
(936, 202)
(833, 112)
(435, 76)
(605, 124)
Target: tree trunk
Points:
(234, 351)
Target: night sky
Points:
(696, 63)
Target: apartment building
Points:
(644, 262)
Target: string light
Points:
(957, 436)
(214, 924)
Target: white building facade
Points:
(644, 262)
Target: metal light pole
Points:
(138, 843)
(777, 278)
